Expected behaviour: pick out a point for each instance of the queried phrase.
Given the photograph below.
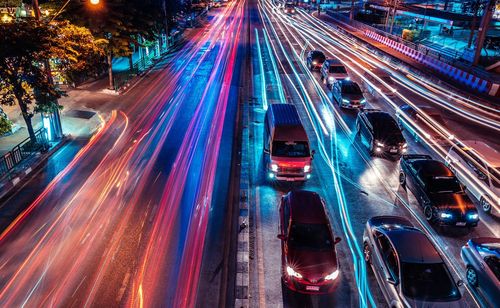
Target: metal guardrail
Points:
(23, 151)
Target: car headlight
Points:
(345, 101)
(363, 101)
(292, 273)
(473, 216)
(331, 79)
(333, 275)
(307, 168)
(274, 167)
(445, 215)
(380, 144)
(314, 62)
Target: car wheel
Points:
(471, 276)
(367, 253)
(402, 179)
(485, 205)
(429, 213)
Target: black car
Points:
(380, 132)
(315, 59)
(438, 191)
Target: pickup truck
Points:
(438, 191)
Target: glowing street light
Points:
(94, 2)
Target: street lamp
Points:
(94, 2)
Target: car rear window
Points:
(428, 281)
(444, 184)
(350, 88)
(337, 69)
(310, 237)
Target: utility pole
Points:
(485, 23)
(351, 15)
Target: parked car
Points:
(333, 70)
(387, 86)
(481, 257)
(348, 94)
(419, 124)
(481, 166)
(408, 268)
(309, 261)
(438, 191)
(380, 132)
(315, 59)
(289, 8)
(287, 154)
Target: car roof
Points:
(285, 114)
(431, 168)
(413, 246)
(378, 115)
(306, 207)
(484, 151)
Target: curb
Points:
(10, 185)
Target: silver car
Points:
(482, 262)
(407, 266)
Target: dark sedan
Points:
(482, 262)
(438, 191)
(309, 259)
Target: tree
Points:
(23, 46)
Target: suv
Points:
(315, 59)
(380, 132)
(333, 70)
(308, 256)
(348, 94)
(408, 268)
(438, 191)
(478, 166)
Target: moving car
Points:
(481, 257)
(438, 191)
(286, 145)
(308, 256)
(388, 85)
(419, 124)
(315, 59)
(480, 164)
(348, 94)
(380, 132)
(289, 8)
(408, 268)
(333, 70)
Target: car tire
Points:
(402, 179)
(367, 254)
(485, 205)
(471, 276)
(429, 213)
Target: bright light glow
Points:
(331, 79)
(314, 62)
(405, 145)
(378, 150)
(307, 168)
(380, 144)
(363, 101)
(345, 101)
(6, 18)
(446, 215)
(94, 2)
(271, 175)
(473, 216)
(347, 78)
(46, 125)
(308, 176)
(292, 273)
(274, 167)
(333, 275)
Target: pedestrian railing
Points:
(23, 151)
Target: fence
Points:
(23, 151)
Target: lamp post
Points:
(52, 121)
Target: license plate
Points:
(393, 150)
(312, 288)
(461, 224)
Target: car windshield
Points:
(428, 281)
(310, 237)
(317, 55)
(444, 184)
(350, 88)
(337, 69)
(290, 149)
(493, 263)
(289, 5)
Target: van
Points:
(286, 146)
(477, 165)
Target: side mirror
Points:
(312, 153)
(460, 282)
(282, 237)
(337, 240)
(390, 280)
(266, 151)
